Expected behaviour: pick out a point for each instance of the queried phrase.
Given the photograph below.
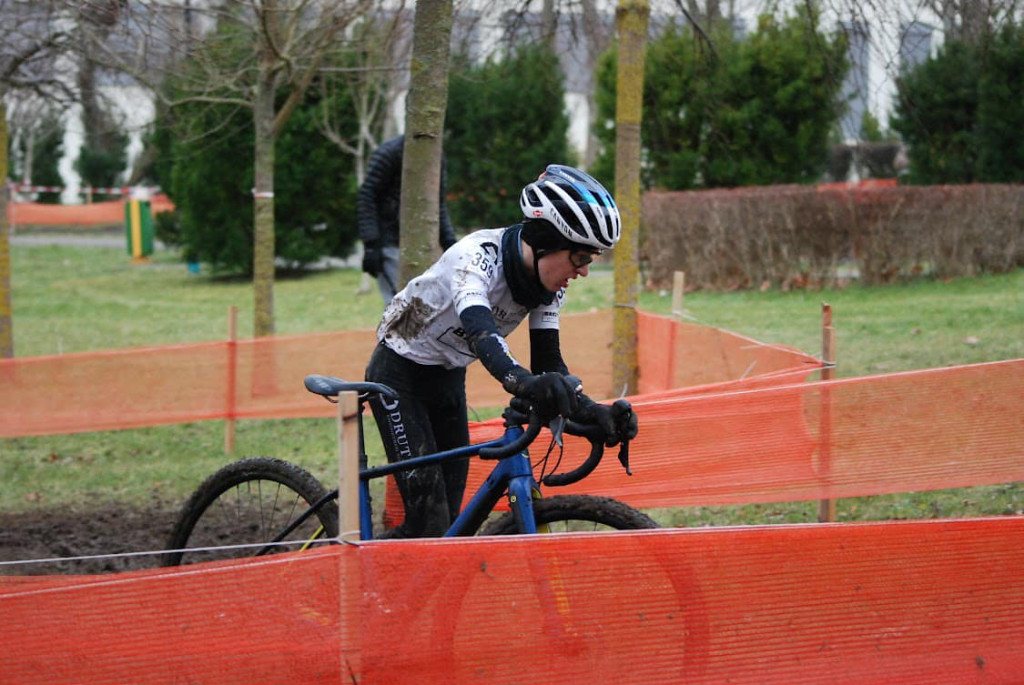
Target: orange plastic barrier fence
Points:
(691, 469)
(673, 354)
(262, 378)
(40, 214)
(921, 430)
(910, 602)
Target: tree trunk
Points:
(6, 312)
(263, 214)
(419, 217)
(631, 19)
(974, 20)
(549, 24)
(597, 42)
(263, 114)
(30, 151)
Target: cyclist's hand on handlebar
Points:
(550, 394)
(618, 420)
(626, 424)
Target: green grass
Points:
(71, 299)
(917, 325)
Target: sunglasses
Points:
(580, 259)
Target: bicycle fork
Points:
(521, 492)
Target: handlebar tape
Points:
(517, 445)
(596, 437)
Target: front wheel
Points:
(576, 514)
(247, 504)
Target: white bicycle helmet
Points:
(576, 204)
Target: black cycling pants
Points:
(429, 416)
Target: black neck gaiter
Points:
(526, 289)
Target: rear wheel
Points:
(576, 514)
(244, 506)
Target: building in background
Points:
(856, 88)
(915, 43)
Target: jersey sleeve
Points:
(546, 317)
(474, 267)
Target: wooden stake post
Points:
(678, 284)
(678, 279)
(827, 507)
(229, 423)
(348, 466)
(351, 578)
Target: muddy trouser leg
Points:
(451, 430)
(428, 398)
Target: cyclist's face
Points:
(558, 268)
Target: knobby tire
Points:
(576, 513)
(249, 502)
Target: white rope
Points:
(345, 535)
(112, 579)
(122, 555)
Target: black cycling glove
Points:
(550, 394)
(618, 420)
(372, 259)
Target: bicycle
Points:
(264, 505)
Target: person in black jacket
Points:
(377, 205)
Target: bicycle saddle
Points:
(328, 386)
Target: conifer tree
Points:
(493, 138)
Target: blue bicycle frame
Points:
(513, 473)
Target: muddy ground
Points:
(96, 531)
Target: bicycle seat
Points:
(328, 386)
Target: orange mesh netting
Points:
(39, 214)
(922, 430)
(91, 391)
(910, 602)
(657, 427)
(672, 354)
(262, 378)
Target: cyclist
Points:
(461, 309)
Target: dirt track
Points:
(103, 530)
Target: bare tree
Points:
(35, 35)
(703, 15)
(373, 76)
(963, 20)
(30, 119)
(972, 20)
(260, 55)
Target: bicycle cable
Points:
(543, 461)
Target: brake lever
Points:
(624, 445)
(557, 424)
(624, 456)
(557, 427)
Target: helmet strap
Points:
(536, 268)
(543, 239)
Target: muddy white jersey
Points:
(422, 322)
